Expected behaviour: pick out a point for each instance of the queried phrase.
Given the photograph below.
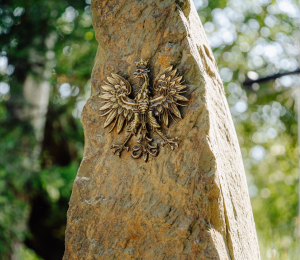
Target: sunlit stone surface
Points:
(191, 203)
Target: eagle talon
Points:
(171, 142)
(118, 149)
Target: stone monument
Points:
(162, 175)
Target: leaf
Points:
(110, 117)
(172, 84)
(159, 108)
(106, 112)
(126, 111)
(182, 98)
(120, 109)
(122, 82)
(170, 99)
(165, 104)
(116, 76)
(112, 81)
(114, 124)
(178, 79)
(175, 110)
(168, 69)
(152, 121)
(173, 73)
(106, 96)
(120, 123)
(180, 87)
(165, 118)
(130, 114)
(106, 106)
(108, 88)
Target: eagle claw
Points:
(171, 142)
(119, 148)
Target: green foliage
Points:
(25, 253)
(52, 41)
(14, 175)
(257, 38)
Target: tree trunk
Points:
(187, 203)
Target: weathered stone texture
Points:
(191, 203)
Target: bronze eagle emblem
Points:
(141, 113)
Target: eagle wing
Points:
(168, 85)
(118, 107)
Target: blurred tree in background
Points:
(46, 57)
(258, 38)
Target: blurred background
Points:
(47, 50)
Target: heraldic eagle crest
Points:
(141, 113)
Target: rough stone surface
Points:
(191, 203)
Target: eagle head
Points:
(141, 69)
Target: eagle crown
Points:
(142, 72)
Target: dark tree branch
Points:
(248, 82)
